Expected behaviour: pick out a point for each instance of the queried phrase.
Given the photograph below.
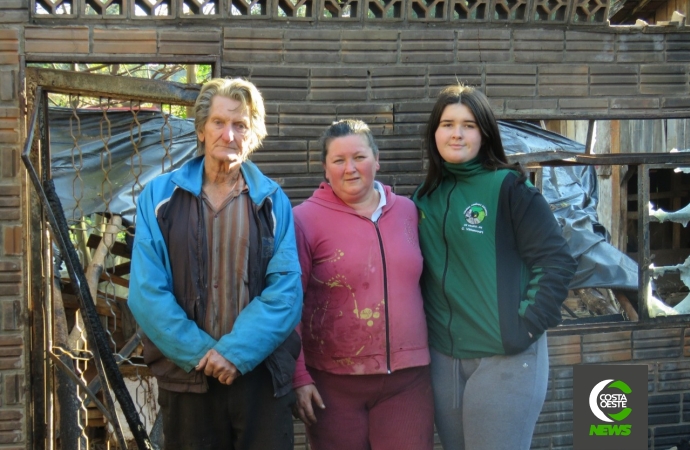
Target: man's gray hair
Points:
(236, 89)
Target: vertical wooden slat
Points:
(591, 124)
(676, 193)
(643, 258)
(36, 311)
(619, 206)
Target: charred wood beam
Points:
(117, 248)
(562, 158)
(126, 88)
(131, 345)
(90, 394)
(644, 258)
(640, 6)
(615, 7)
(610, 114)
(621, 13)
(114, 279)
(590, 136)
(65, 390)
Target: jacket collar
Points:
(466, 169)
(325, 196)
(191, 175)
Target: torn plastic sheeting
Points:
(524, 137)
(129, 170)
(572, 192)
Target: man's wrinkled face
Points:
(226, 132)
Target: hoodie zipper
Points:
(445, 266)
(385, 297)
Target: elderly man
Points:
(215, 285)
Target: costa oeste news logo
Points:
(610, 407)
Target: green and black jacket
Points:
(496, 265)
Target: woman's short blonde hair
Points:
(236, 89)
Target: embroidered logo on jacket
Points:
(474, 216)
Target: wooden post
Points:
(643, 252)
(619, 194)
(191, 79)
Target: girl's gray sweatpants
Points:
(489, 403)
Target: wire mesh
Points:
(102, 239)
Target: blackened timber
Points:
(118, 248)
(125, 88)
(562, 158)
(91, 395)
(644, 258)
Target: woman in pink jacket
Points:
(366, 383)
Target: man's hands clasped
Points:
(213, 364)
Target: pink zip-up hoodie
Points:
(363, 310)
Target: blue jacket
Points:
(261, 327)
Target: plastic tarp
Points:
(80, 154)
(572, 192)
(94, 173)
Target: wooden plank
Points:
(36, 371)
(118, 248)
(103, 308)
(561, 158)
(115, 280)
(618, 208)
(89, 84)
(659, 196)
(120, 269)
(644, 257)
(676, 188)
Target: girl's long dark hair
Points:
(491, 153)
